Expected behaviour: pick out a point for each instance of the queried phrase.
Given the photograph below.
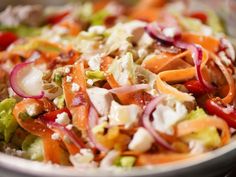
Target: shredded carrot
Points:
(177, 75)
(105, 63)
(165, 61)
(191, 126)
(207, 42)
(231, 92)
(79, 112)
(151, 159)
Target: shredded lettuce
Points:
(22, 31)
(125, 161)
(99, 17)
(96, 75)
(33, 147)
(8, 123)
(214, 22)
(209, 136)
(123, 69)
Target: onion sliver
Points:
(129, 89)
(148, 124)
(26, 81)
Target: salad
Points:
(112, 84)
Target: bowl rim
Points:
(34, 168)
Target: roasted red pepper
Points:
(195, 87)
(56, 18)
(216, 109)
(51, 116)
(6, 39)
(200, 16)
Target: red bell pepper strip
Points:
(215, 109)
(6, 39)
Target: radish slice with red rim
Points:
(26, 81)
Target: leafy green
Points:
(125, 161)
(22, 31)
(60, 101)
(8, 123)
(208, 136)
(33, 146)
(214, 22)
(99, 17)
(97, 75)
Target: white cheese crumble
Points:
(75, 87)
(55, 136)
(68, 78)
(169, 32)
(126, 115)
(84, 157)
(142, 140)
(101, 99)
(109, 159)
(63, 119)
(67, 70)
(94, 62)
(166, 115)
(33, 109)
(90, 82)
(69, 126)
(99, 29)
(196, 147)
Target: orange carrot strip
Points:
(231, 92)
(207, 42)
(192, 126)
(79, 112)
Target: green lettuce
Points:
(8, 123)
(215, 22)
(22, 31)
(125, 161)
(33, 147)
(209, 136)
(99, 17)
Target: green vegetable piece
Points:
(8, 123)
(214, 22)
(33, 146)
(98, 75)
(125, 161)
(60, 103)
(208, 136)
(22, 31)
(99, 17)
(58, 79)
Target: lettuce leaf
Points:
(33, 147)
(99, 17)
(22, 31)
(215, 22)
(8, 123)
(209, 136)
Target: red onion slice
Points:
(148, 125)
(197, 55)
(92, 122)
(26, 81)
(129, 89)
(162, 33)
(69, 133)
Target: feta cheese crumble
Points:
(33, 110)
(55, 136)
(84, 157)
(67, 70)
(142, 140)
(123, 115)
(99, 29)
(166, 115)
(63, 119)
(75, 87)
(68, 78)
(90, 82)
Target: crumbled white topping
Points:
(142, 140)
(69, 126)
(33, 109)
(75, 87)
(166, 115)
(109, 159)
(196, 147)
(63, 119)
(67, 70)
(169, 32)
(68, 78)
(14, 152)
(101, 99)
(55, 136)
(84, 157)
(126, 115)
(142, 53)
(97, 29)
(94, 62)
(90, 82)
